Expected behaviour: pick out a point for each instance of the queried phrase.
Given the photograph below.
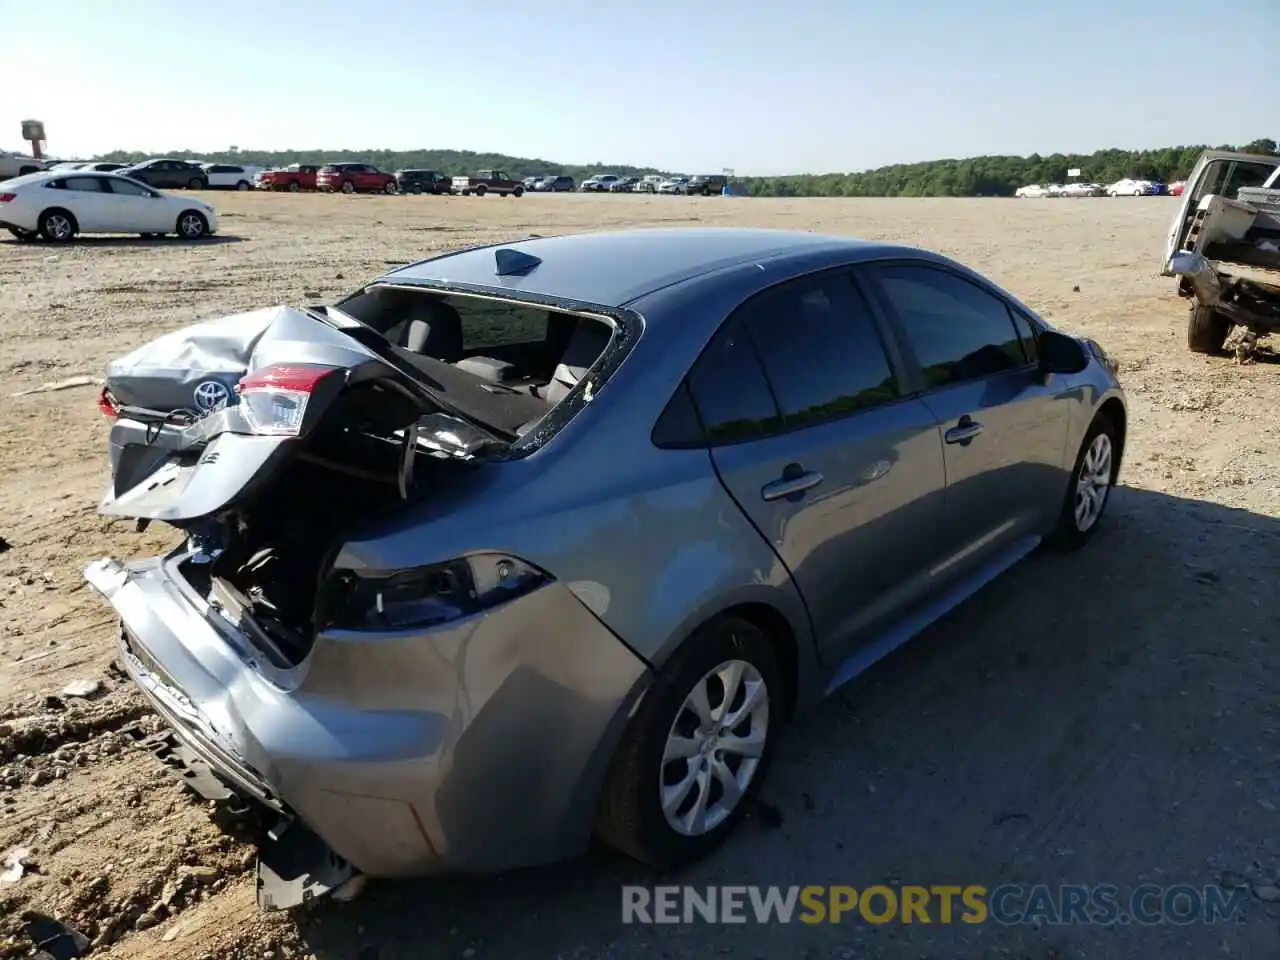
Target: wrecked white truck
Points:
(1224, 248)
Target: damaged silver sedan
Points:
(529, 542)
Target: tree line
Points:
(988, 176)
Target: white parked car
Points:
(648, 183)
(1031, 190)
(230, 176)
(1129, 187)
(57, 204)
(1053, 189)
(674, 185)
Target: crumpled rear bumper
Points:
(474, 747)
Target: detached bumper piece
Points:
(294, 865)
(187, 765)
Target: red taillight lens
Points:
(6, 197)
(106, 401)
(274, 399)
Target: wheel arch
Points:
(1113, 409)
(75, 223)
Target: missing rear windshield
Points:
(512, 365)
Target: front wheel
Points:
(1207, 330)
(192, 225)
(389, 189)
(295, 187)
(481, 190)
(348, 186)
(195, 183)
(243, 185)
(695, 754)
(1089, 492)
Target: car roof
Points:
(614, 268)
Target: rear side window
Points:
(957, 331)
(85, 184)
(820, 349)
(729, 389)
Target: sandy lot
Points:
(1109, 717)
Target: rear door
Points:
(972, 357)
(92, 207)
(812, 436)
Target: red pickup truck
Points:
(295, 177)
(488, 181)
(355, 178)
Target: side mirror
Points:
(1060, 353)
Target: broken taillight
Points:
(106, 400)
(274, 399)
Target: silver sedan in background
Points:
(530, 541)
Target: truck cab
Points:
(1224, 247)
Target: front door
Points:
(140, 210)
(1003, 428)
(92, 208)
(812, 437)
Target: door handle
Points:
(794, 481)
(964, 431)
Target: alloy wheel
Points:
(1093, 483)
(714, 748)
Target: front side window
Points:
(821, 352)
(957, 331)
(129, 189)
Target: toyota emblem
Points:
(211, 395)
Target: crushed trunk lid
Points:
(210, 412)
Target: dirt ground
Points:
(1108, 717)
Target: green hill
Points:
(994, 176)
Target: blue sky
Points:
(772, 87)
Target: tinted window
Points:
(1027, 331)
(85, 184)
(957, 330)
(820, 349)
(129, 189)
(730, 390)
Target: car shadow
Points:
(135, 242)
(1092, 717)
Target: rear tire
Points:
(348, 186)
(481, 190)
(242, 185)
(518, 192)
(295, 187)
(667, 751)
(58, 225)
(1207, 330)
(195, 183)
(1092, 479)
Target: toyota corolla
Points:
(528, 542)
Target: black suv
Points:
(423, 181)
(707, 184)
(167, 174)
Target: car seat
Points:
(437, 335)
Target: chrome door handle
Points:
(790, 484)
(964, 431)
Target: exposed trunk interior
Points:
(268, 558)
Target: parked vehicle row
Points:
(1128, 187)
